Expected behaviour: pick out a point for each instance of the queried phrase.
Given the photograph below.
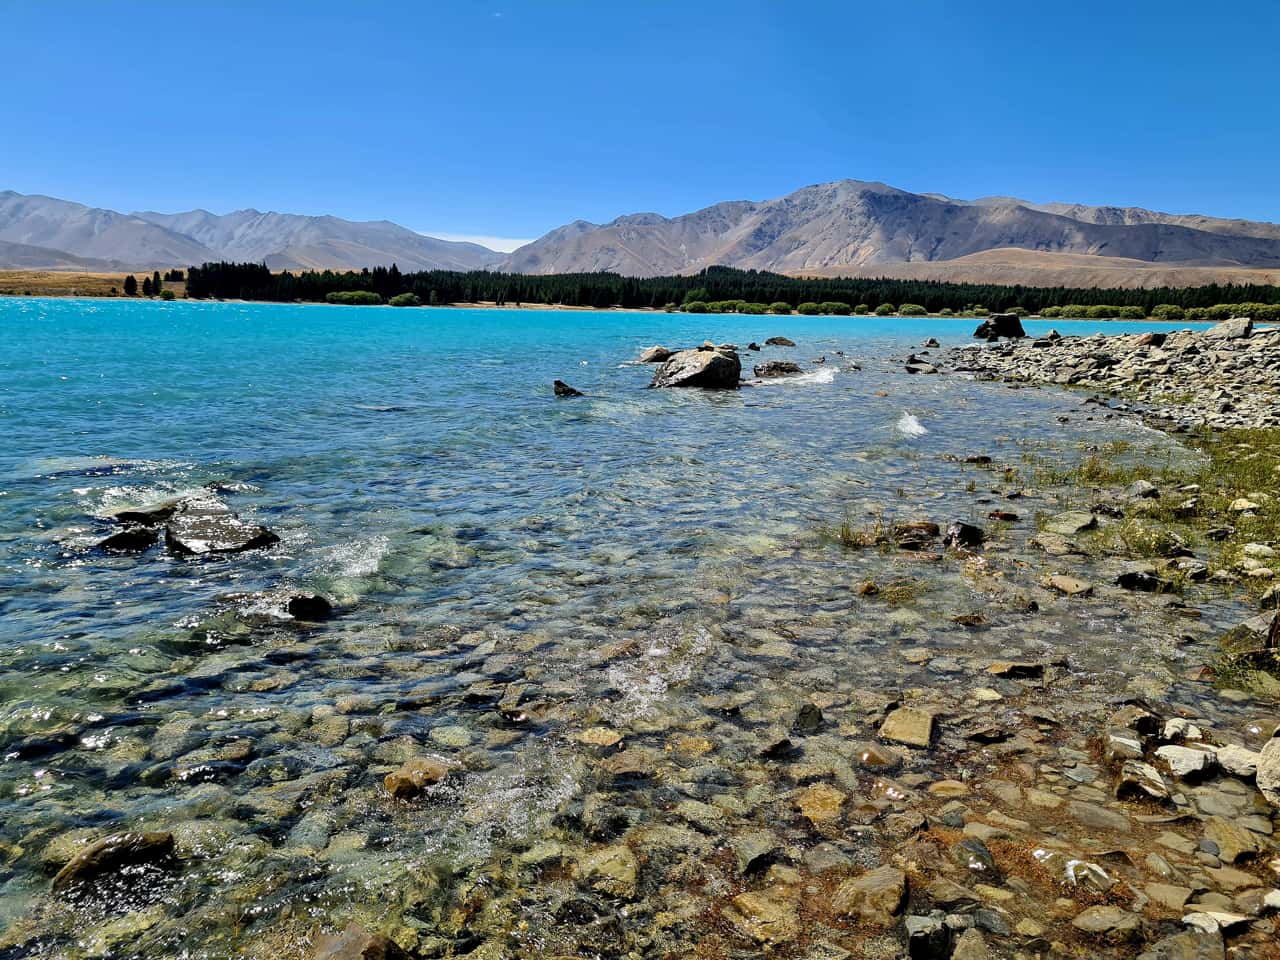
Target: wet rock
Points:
(776, 368)
(1055, 545)
(964, 535)
(415, 777)
(908, 725)
(312, 608)
(356, 943)
(915, 535)
(875, 898)
(1144, 578)
(133, 540)
(820, 803)
(634, 763)
(1111, 924)
(203, 527)
(1071, 523)
(656, 354)
(1000, 325)
(110, 856)
(1068, 585)
(610, 870)
(149, 516)
(755, 850)
(711, 369)
(974, 855)
(562, 389)
(1190, 945)
(768, 916)
(931, 343)
(808, 719)
(753, 346)
(779, 342)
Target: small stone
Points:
(611, 870)
(766, 917)
(454, 736)
(875, 898)
(971, 945)
(1071, 586)
(755, 850)
(908, 725)
(356, 943)
(312, 608)
(820, 803)
(414, 777)
(1070, 523)
(1234, 843)
(1185, 761)
(1141, 780)
(1168, 895)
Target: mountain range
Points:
(848, 227)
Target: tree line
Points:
(253, 281)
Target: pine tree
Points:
(156, 286)
(146, 286)
(130, 286)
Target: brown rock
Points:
(356, 943)
(111, 855)
(875, 898)
(412, 779)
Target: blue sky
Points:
(506, 119)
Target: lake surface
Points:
(511, 570)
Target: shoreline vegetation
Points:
(715, 290)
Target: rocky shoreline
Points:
(1225, 377)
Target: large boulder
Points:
(1000, 325)
(1269, 771)
(776, 368)
(1237, 328)
(714, 369)
(207, 526)
(111, 857)
(562, 389)
(779, 342)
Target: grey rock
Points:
(204, 527)
(1190, 945)
(112, 856)
(711, 369)
(1237, 328)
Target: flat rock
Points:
(1100, 818)
(1069, 585)
(908, 725)
(1109, 923)
(1185, 761)
(1268, 771)
(1070, 523)
(776, 368)
(203, 527)
(655, 354)
(767, 916)
(779, 342)
(1190, 945)
(1234, 842)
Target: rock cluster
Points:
(1227, 376)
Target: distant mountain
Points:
(22, 256)
(72, 234)
(850, 225)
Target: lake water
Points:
(510, 570)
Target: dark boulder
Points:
(110, 856)
(712, 369)
(203, 527)
(753, 346)
(1000, 325)
(313, 608)
(147, 516)
(1151, 340)
(776, 368)
(132, 540)
(964, 535)
(931, 343)
(779, 342)
(562, 389)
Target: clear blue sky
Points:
(509, 117)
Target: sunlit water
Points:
(621, 559)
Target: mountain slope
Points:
(851, 225)
(73, 232)
(22, 256)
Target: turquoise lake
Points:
(508, 570)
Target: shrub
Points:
(779, 307)
(1131, 313)
(884, 310)
(836, 307)
(754, 309)
(353, 298)
(808, 308)
(167, 295)
(1051, 312)
(405, 300)
(695, 306)
(979, 310)
(1198, 314)
(670, 308)
(913, 310)
(725, 306)
(1017, 311)
(946, 312)
(1101, 311)
(1075, 311)
(862, 309)
(1167, 311)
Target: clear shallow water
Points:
(614, 560)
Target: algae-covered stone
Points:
(414, 777)
(610, 870)
(875, 898)
(111, 855)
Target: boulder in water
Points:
(776, 368)
(656, 354)
(1000, 325)
(110, 856)
(779, 342)
(207, 526)
(562, 389)
(712, 369)
(131, 540)
(313, 608)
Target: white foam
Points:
(821, 375)
(909, 426)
